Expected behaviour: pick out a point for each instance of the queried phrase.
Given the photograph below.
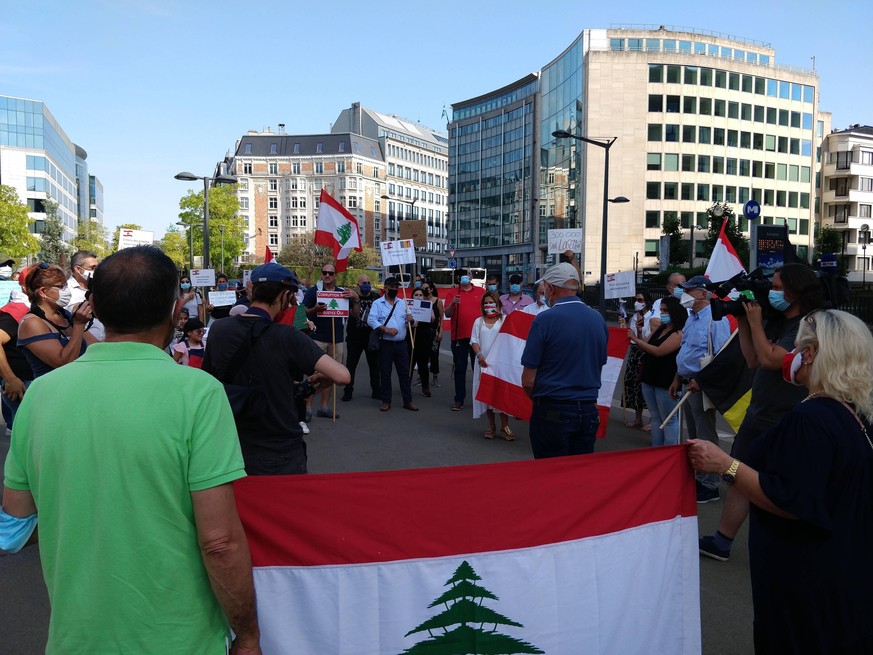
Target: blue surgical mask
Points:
(366, 288)
(418, 284)
(777, 300)
(465, 279)
(222, 286)
(665, 319)
(185, 285)
(677, 292)
(514, 288)
(492, 287)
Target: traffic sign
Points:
(451, 252)
(453, 264)
(752, 210)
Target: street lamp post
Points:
(606, 144)
(865, 239)
(221, 230)
(190, 228)
(207, 182)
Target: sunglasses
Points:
(328, 272)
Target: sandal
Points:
(507, 434)
(637, 425)
(489, 433)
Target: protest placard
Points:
(565, 239)
(129, 238)
(203, 277)
(420, 310)
(397, 252)
(222, 298)
(6, 289)
(620, 285)
(337, 305)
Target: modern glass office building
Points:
(699, 117)
(39, 161)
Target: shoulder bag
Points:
(375, 340)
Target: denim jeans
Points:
(660, 405)
(559, 428)
(461, 354)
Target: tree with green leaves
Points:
(465, 626)
(91, 235)
(716, 215)
(16, 239)
(678, 249)
(53, 247)
(224, 224)
(123, 226)
(830, 240)
(175, 246)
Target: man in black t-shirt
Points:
(357, 337)
(271, 441)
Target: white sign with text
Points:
(202, 277)
(129, 238)
(222, 298)
(620, 285)
(397, 252)
(420, 310)
(564, 240)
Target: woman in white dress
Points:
(485, 331)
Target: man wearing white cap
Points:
(563, 358)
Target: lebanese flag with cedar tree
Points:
(337, 229)
(500, 384)
(594, 553)
(268, 255)
(724, 262)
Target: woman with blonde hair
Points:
(810, 483)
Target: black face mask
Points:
(391, 293)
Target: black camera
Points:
(303, 389)
(757, 282)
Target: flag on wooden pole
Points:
(337, 229)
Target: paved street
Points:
(364, 439)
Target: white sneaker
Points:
(304, 427)
(8, 432)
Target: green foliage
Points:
(678, 249)
(91, 236)
(830, 240)
(225, 226)
(475, 631)
(732, 231)
(15, 237)
(175, 246)
(53, 247)
(123, 226)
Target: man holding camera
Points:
(702, 338)
(278, 355)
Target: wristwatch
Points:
(730, 476)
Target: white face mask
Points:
(87, 273)
(639, 306)
(687, 301)
(5, 272)
(64, 297)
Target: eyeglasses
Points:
(328, 272)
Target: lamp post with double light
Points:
(606, 144)
(207, 183)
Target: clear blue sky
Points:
(153, 87)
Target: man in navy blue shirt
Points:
(563, 358)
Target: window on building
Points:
(718, 165)
(273, 220)
(340, 167)
(745, 139)
(733, 138)
(721, 79)
(653, 161)
(671, 132)
(653, 190)
(687, 191)
(734, 81)
(243, 203)
(653, 219)
(703, 164)
(273, 168)
(706, 106)
(652, 247)
(274, 148)
(689, 105)
(689, 134)
(705, 77)
(273, 202)
(759, 114)
(691, 75)
(248, 148)
(703, 192)
(295, 167)
(273, 185)
(674, 74)
(656, 72)
(746, 111)
(671, 162)
(655, 131)
(688, 162)
(704, 135)
(671, 190)
(319, 147)
(718, 136)
(247, 168)
(731, 166)
(719, 108)
(319, 168)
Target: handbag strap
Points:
(242, 353)
(858, 419)
(393, 307)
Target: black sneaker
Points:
(347, 395)
(706, 494)
(708, 548)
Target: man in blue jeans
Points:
(563, 359)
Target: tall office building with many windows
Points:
(700, 117)
(40, 162)
(417, 162)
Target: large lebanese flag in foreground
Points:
(593, 553)
(337, 229)
(500, 384)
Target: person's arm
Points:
(328, 371)
(769, 355)
(20, 505)
(528, 379)
(707, 457)
(671, 344)
(744, 334)
(14, 387)
(226, 557)
(50, 351)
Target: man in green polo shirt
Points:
(128, 460)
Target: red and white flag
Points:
(337, 229)
(268, 255)
(724, 262)
(500, 384)
(425, 560)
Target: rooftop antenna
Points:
(445, 114)
(813, 63)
